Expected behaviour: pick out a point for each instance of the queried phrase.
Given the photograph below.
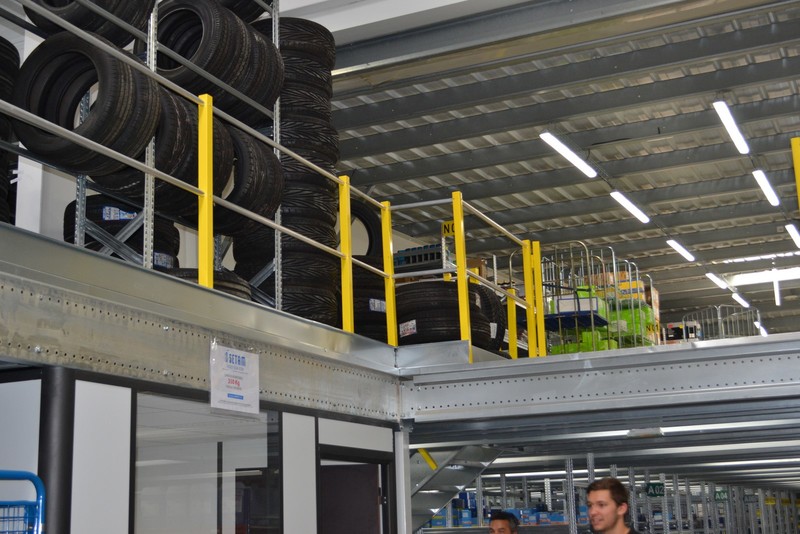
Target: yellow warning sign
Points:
(448, 228)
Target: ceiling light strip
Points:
(766, 187)
(726, 117)
(680, 250)
(738, 298)
(630, 206)
(717, 280)
(567, 152)
(792, 229)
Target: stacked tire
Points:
(212, 37)
(369, 299)
(9, 68)
(428, 312)
(135, 13)
(112, 216)
(309, 204)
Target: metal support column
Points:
(613, 470)
(676, 503)
(402, 472)
(771, 512)
(479, 504)
(689, 514)
(548, 495)
(503, 491)
(704, 501)
(632, 504)
(590, 466)
(648, 505)
(526, 496)
(664, 503)
(752, 511)
(569, 493)
(712, 504)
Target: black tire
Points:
(298, 98)
(368, 216)
(298, 268)
(307, 70)
(495, 312)
(112, 216)
(247, 10)
(429, 326)
(51, 83)
(9, 69)
(216, 40)
(308, 133)
(296, 170)
(373, 330)
(314, 303)
(135, 13)
(256, 185)
(224, 281)
(302, 200)
(302, 35)
(438, 295)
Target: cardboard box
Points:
(631, 290)
(565, 305)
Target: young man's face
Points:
(500, 526)
(604, 514)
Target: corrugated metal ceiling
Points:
(636, 105)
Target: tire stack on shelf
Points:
(9, 67)
(112, 216)
(428, 312)
(310, 282)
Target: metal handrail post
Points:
(389, 281)
(346, 247)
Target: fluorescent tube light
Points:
(680, 250)
(717, 280)
(760, 328)
(766, 187)
(738, 298)
(766, 276)
(792, 229)
(725, 116)
(628, 205)
(776, 288)
(571, 156)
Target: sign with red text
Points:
(234, 379)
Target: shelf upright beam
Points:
(388, 268)
(205, 180)
(530, 298)
(538, 291)
(346, 240)
(461, 270)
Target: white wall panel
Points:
(299, 474)
(346, 434)
(101, 458)
(238, 454)
(19, 434)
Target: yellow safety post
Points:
(796, 160)
(428, 459)
(346, 246)
(388, 268)
(512, 324)
(461, 270)
(205, 202)
(538, 288)
(527, 275)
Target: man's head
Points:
(503, 523)
(607, 500)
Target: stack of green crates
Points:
(582, 341)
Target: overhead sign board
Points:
(655, 489)
(721, 495)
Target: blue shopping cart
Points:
(22, 517)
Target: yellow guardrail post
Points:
(388, 268)
(346, 246)
(527, 275)
(538, 284)
(461, 270)
(205, 181)
(796, 159)
(512, 324)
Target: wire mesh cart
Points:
(22, 516)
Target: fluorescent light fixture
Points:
(717, 280)
(738, 298)
(776, 288)
(628, 205)
(571, 156)
(792, 229)
(725, 116)
(760, 328)
(766, 276)
(766, 187)
(680, 250)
